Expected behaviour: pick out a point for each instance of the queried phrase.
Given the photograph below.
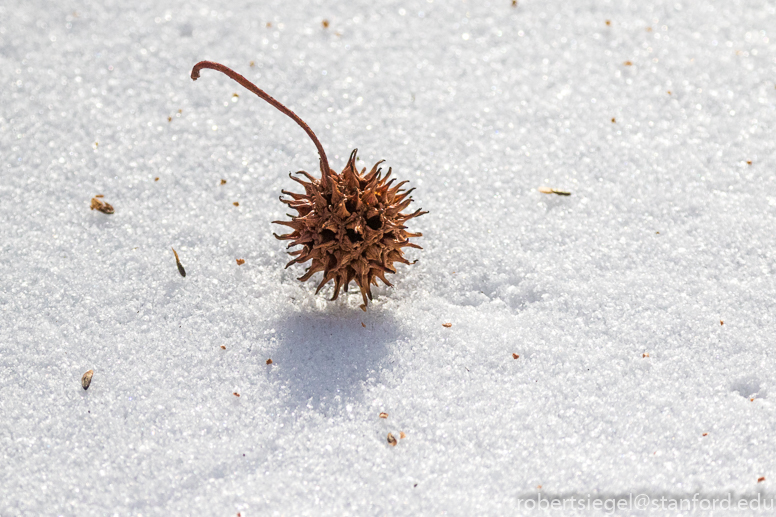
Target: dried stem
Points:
(258, 91)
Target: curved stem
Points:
(245, 83)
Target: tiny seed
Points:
(269, 361)
(548, 190)
(761, 479)
(402, 435)
(705, 434)
(223, 182)
(391, 440)
(447, 325)
(608, 22)
(627, 63)
(101, 206)
(223, 347)
(515, 356)
(86, 379)
(325, 24)
(156, 178)
(383, 415)
(236, 394)
(240, 262)
(178, 263)
(236, 203)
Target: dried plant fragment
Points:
(350, 225)
(269, 361)
(240, 262)
(178, 263)
(705, 434)
(644, 355)
(236, 203)
(223, 182)
(608, 22)
(86, 379)
(548, 190)
(325, 24)
(628, 63)
(514, 3)
(383, 415)
(223, 347)
(102, 206)
(156, 178)
(761, 479)
(402, 435)
(99, 195)
(749, 162)
(721, 322)
(614, 120)
(515, 356)
(391, 440)
(236, 394)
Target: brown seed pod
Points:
(349, 224)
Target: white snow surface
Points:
(614, 298)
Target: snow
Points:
(641, 307)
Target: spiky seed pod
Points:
(352, 229)
(350, 224)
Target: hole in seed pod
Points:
(374, 222)
(350, 204)
(354, 236)
(327, 235)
